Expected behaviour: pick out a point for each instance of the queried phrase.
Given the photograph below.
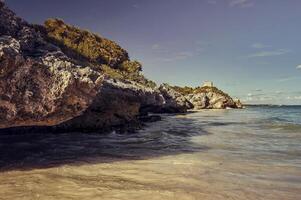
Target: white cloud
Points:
(277, 52)
(241, 3)
(285, 79)
(176, 56)
(298, 67)
(156, 46)
(297, 97)
(259, 46)
(185, 54)
(293, 98)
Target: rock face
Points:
(42, 83)
(118, 103)
(39, 84)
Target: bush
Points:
(131, 66)
(84, 43)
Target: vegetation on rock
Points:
(91, 49)
(87, 45)
(189, 90)
(183, 90)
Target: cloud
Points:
(297, 97)
(136, 6)
(277, 52)
(177, 56)
(257, 97)
(293, 98)
(241, 3)
(258, 46)
(298, 67)
(184, 55)
(156, 46)
(285, 79)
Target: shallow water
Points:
(253, 153)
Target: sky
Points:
(248, 48)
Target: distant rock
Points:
(208, 97)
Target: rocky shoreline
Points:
(59, 77)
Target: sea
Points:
(252, 153)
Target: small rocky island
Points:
(61, 77)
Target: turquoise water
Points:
(254, 153)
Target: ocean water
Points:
(254, 153)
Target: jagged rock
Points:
(118, 103)
(44, 91)
(200, 100)
(173, 100)
(238, 103)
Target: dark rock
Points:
(150, 118)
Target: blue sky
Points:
(248, 48)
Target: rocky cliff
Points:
(58, 75)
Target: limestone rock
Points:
(44, 91)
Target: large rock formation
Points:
(62, 77)
(48, 77)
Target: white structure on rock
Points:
(208, 84)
